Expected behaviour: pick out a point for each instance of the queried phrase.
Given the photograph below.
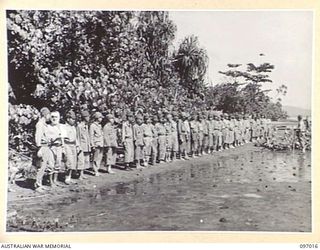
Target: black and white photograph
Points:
(159, 120)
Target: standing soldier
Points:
(203, 134)
(161, 138)
(174, 130)
(194, 128)
(44, 153)
(225, 131)
(155, 140)
(110, 142)
(96, 141)
(210, 129)
(147, 128)
(169, 139)
(71, 145)
(127, 140)
(84, 141)
(247, 129)
(184, 136)
(55, 135)
(138, 141)
(218, 127)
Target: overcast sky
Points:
(285, 37)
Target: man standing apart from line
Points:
(44, 153)
(96, 141)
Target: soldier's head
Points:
(85, 116)
(210, 117)
(155, 119)
(55, 118)
(45, 113)
(71, 118)
(110, 118)
(175, 116)
(169, 117)
(299, 117)
(139, 119)
(97, 117)
(147, 119)
(129, 117)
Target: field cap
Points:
(84, 114)
(97, 115)
(109, 117)
(71, 114)
(44, 111)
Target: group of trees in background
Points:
(118, 60)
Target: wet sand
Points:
(242, 189)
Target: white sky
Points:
(285, 37)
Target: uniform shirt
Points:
(174, 128)
(96, 135)
(127, 132)
(41, 132)
(154, 131)
(194, 126)
(147, 130)
(110, 135)
(168, 128)
(210, 126)
(160, 129)
(84, 136)
(138, 134)
(55, 134)
(71, 134)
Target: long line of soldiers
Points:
(146, 139)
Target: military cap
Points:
(109, 117)
(97, 115)
(44, 111)
(85, 113)
(71, 114)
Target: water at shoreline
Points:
(251, 191)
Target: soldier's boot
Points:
(109, 170)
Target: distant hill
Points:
(295, 111)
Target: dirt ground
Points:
(242, 189)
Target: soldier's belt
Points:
(70, 142)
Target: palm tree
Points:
(191, 62)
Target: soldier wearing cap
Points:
(45, 155)
(147, 128)
(155, 140)
(127, 140)
(217, 135)
(210, 131)
(174, 131)
(184, 135)
(138, 141)
(203, 134)
(71, 145)
(84, 143)
(225, 131)
(194, 129)
(169, 139)
(96, 141)
(110, 142)
(161, 130)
